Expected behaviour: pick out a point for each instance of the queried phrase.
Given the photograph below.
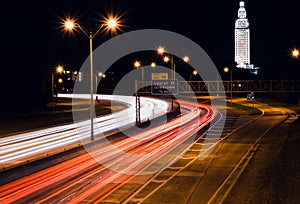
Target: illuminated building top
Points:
(242, 38)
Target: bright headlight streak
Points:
(17, 147)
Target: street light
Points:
(60, 80)
(193, 73)
(295, 53)
(100, 75)
(191, 78)
(153, 64)
(226, 69)
(111, 23)
(137, 65)
(59, 69)
(161, 51)
(186, 59)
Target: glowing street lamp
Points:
(193, 73)
(69, 25)
(153, 64)
(186, 59)
(166, 59)
(111, 24)
(226, 69)
(295, 53)
(100, 74)
(161, 50)
(137, 65)
(60, 80)
(59, 69)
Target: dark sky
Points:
(32, 42)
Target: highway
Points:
(107, 166)
(22, 148)
(196, 180)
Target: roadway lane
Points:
(22, 148)
(209, 180)
(107, 166)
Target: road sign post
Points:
(165, 87)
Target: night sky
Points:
(33, 44)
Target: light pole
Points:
(100, 75)
(110, 24)
(193, 73)
(226, 69)
(161, 51)
(191, 78)
(137, 65)
(59, 69)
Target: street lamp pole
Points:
(52, 88)
(231, 86)
(173, 66)
(226, 69)
(70, 25)
(92, 87)
(59, 69)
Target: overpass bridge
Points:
(234, 86)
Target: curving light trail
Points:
(91, 177)
(17, 149)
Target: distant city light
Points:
(195, 72)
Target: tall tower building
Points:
(242, 39)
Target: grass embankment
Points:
(250, 109)
(286, 188)
(280, 103)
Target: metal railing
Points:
(238, 86)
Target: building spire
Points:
(242, 38)
(242, 11)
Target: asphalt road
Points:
(109, 164)
(209, 180)
(211, 170)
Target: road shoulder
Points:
(272, 176)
